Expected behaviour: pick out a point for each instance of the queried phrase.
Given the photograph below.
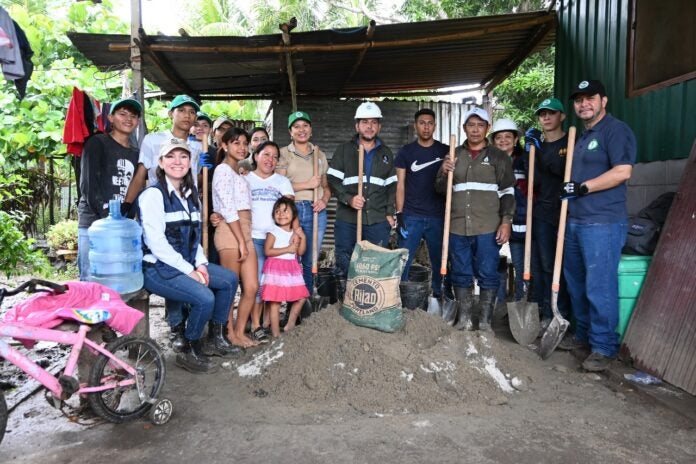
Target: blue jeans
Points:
(306, 218)
(544, 250)
(260, 259)
(344, 235)
(591, 265)
(83, 253)
(475, 255)
(429, 229)
(211, 302)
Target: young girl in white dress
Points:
(282, 279)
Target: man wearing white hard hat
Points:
(379, 187)
(483, 205)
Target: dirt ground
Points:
(334, 392)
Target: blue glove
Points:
(401, 225)
(572, 190)
(205, 162)
(532, 136)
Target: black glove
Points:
(401, 225)
(532, 137)
(573, 190)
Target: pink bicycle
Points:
(124, 382)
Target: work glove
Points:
(532, 137)
(401, 225)
(205, 161)
(125, 208)
(572, 189)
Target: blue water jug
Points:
(116, 252)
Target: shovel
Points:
(361, 168)
(558, 326)
(317, 300)
(204, 222)
(446, 307)
(524, 315)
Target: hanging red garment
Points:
(75, 132)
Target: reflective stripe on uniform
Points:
(519, 228)
(335, 173)
(373, 180)
(463, 186)
(177, 216)
(507, 191)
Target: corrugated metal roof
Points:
(398, 57)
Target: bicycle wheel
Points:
(133, 401)
(3, 415)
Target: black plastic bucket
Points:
(326, 284)
(414, 295)
(419, 273)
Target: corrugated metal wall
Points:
(592, 41)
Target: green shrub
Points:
(62, 236)
(17, 255)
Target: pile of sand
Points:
(425, 367)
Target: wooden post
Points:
(136, 61)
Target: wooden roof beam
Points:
(368, 38)
(162, 64)
(286, 28)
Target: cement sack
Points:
(372, 296)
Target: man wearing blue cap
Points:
(183, 111)
(597, 223)
(483, 203)
(108, 163)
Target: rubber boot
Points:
(177, 337)
(465, 304)
(487, 304)
(217, 343)
(193, 360)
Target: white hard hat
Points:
(504, 125)
(368, 110)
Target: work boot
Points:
(217, 343)
(177, 337)
(487, 304)
(340, 288)
(193, 360)
(465, 303)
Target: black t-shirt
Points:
(107, 169)
(421, 165)
(548, 180)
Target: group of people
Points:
(264, 199)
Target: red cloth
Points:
(75, 132)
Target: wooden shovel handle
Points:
(555, 284)
(448, 208)
(527, 276)
(204, 221)
(361, 167)
(315, 216)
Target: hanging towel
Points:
(75, 132)
(11, 58)
(26, 52)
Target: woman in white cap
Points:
(297, 164)
(174, 265)
(506, 137)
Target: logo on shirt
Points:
(415, 167)
(486, 161)
(385, 159)
(593, 145)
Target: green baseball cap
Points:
(181, 100)
(128, 102)
(553, 104)
(298, 115)
(203, 115)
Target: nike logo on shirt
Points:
(415, 167)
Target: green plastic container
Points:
(632, 270)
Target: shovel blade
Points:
(449, 310)
(434, 307)
(552, 336)
(524, 321)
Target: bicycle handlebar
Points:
(32, 286)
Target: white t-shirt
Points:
(264, 193)
(282, 239)
(149, 154)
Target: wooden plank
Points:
(661, 337)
